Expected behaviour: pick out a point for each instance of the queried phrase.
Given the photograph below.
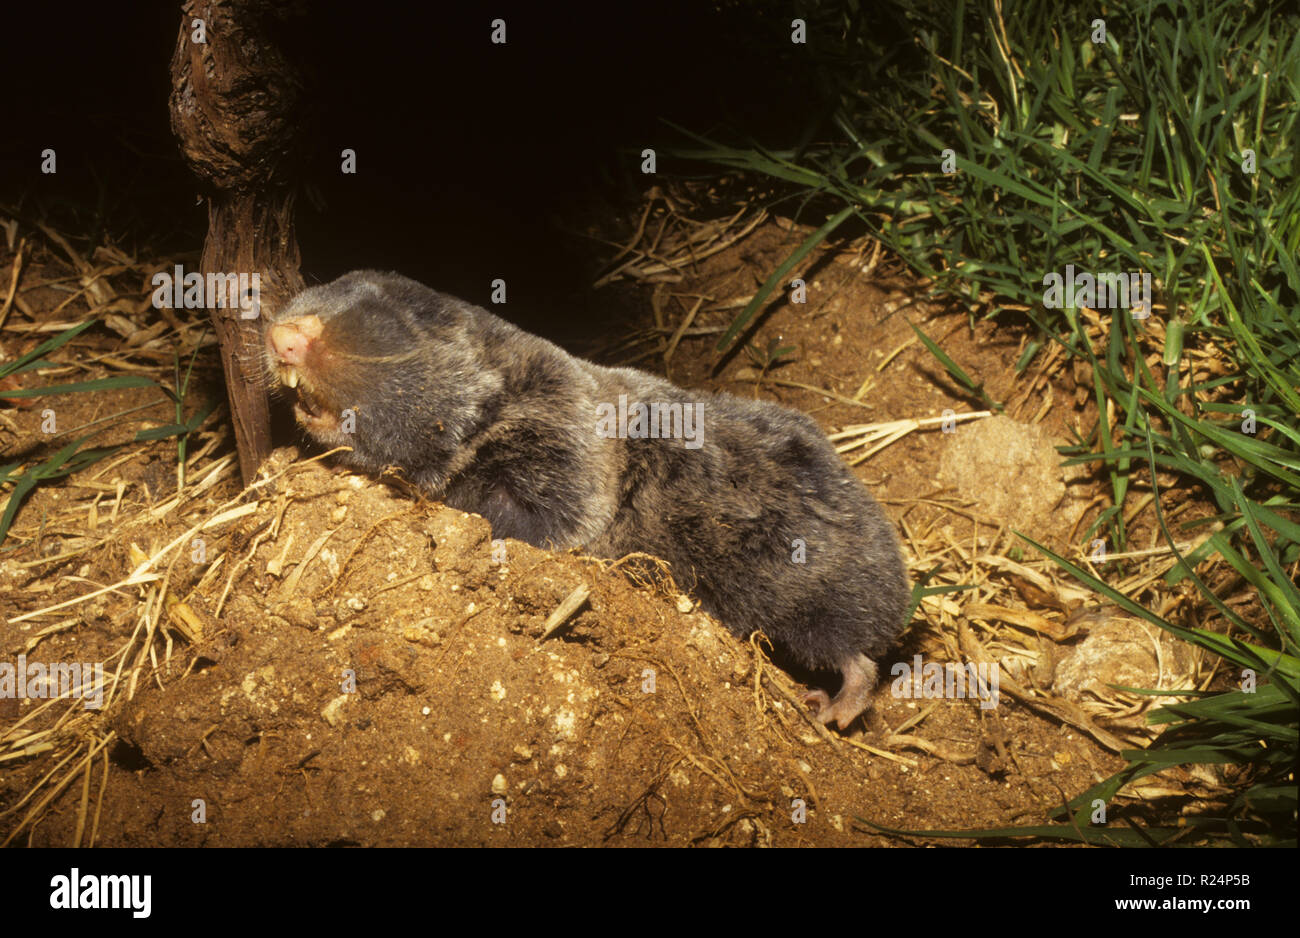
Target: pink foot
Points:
(854, 697)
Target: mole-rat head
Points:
(350, 354)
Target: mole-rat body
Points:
(746, 500)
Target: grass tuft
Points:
(990, 152)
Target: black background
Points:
(475, 160)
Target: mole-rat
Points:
(746, 500)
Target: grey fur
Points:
(505, 424)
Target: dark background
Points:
(475, 161)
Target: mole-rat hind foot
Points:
(860, 674)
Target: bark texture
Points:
(237, 106)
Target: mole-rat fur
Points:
(499, 422)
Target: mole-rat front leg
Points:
(860, 674)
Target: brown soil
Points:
(343, 662)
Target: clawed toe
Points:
(820, 700)
(825, 709)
